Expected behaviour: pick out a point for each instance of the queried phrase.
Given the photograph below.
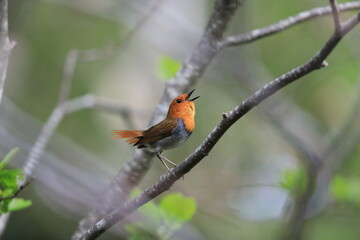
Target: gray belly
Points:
(178, 137)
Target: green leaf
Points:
(18, 204)
(8, 192)
(173, 210)
(339, 188)
(167, 67)
(177, 208)
(10, 178)
(294, 180)
(8, 157)
(346, 190)
(4, 206)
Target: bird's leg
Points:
(162, 159)
(172, 163)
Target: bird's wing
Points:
(158, 131)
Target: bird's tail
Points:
(134, 135)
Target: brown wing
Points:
(159, 131)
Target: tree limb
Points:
(5, 48)
(5, 44)
(228, 120)
(286, 23)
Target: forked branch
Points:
(316, 62)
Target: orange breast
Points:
(189, 123)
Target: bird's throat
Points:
(189, 123)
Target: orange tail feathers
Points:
(134, 135)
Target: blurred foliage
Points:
(294, 181)
(177, 208)
(251, 153)
(169, 215)
(48, 33)
(167, 68)
(9, 186)
(346, 190)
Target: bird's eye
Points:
(178, 101)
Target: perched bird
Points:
(171, 132)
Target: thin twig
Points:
(138, 25)
(349, 24)
(96, 54)
(15, 194)
(284, 24)
(5, 44)
(204, 149)
(80, 103)
(75, 56)
(117, 108)
(69, 68)
(336, 16)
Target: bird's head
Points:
(182, 106)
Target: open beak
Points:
(188, 96)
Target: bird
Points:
(171, 132)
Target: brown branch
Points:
(204, 149)
(285, 23)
